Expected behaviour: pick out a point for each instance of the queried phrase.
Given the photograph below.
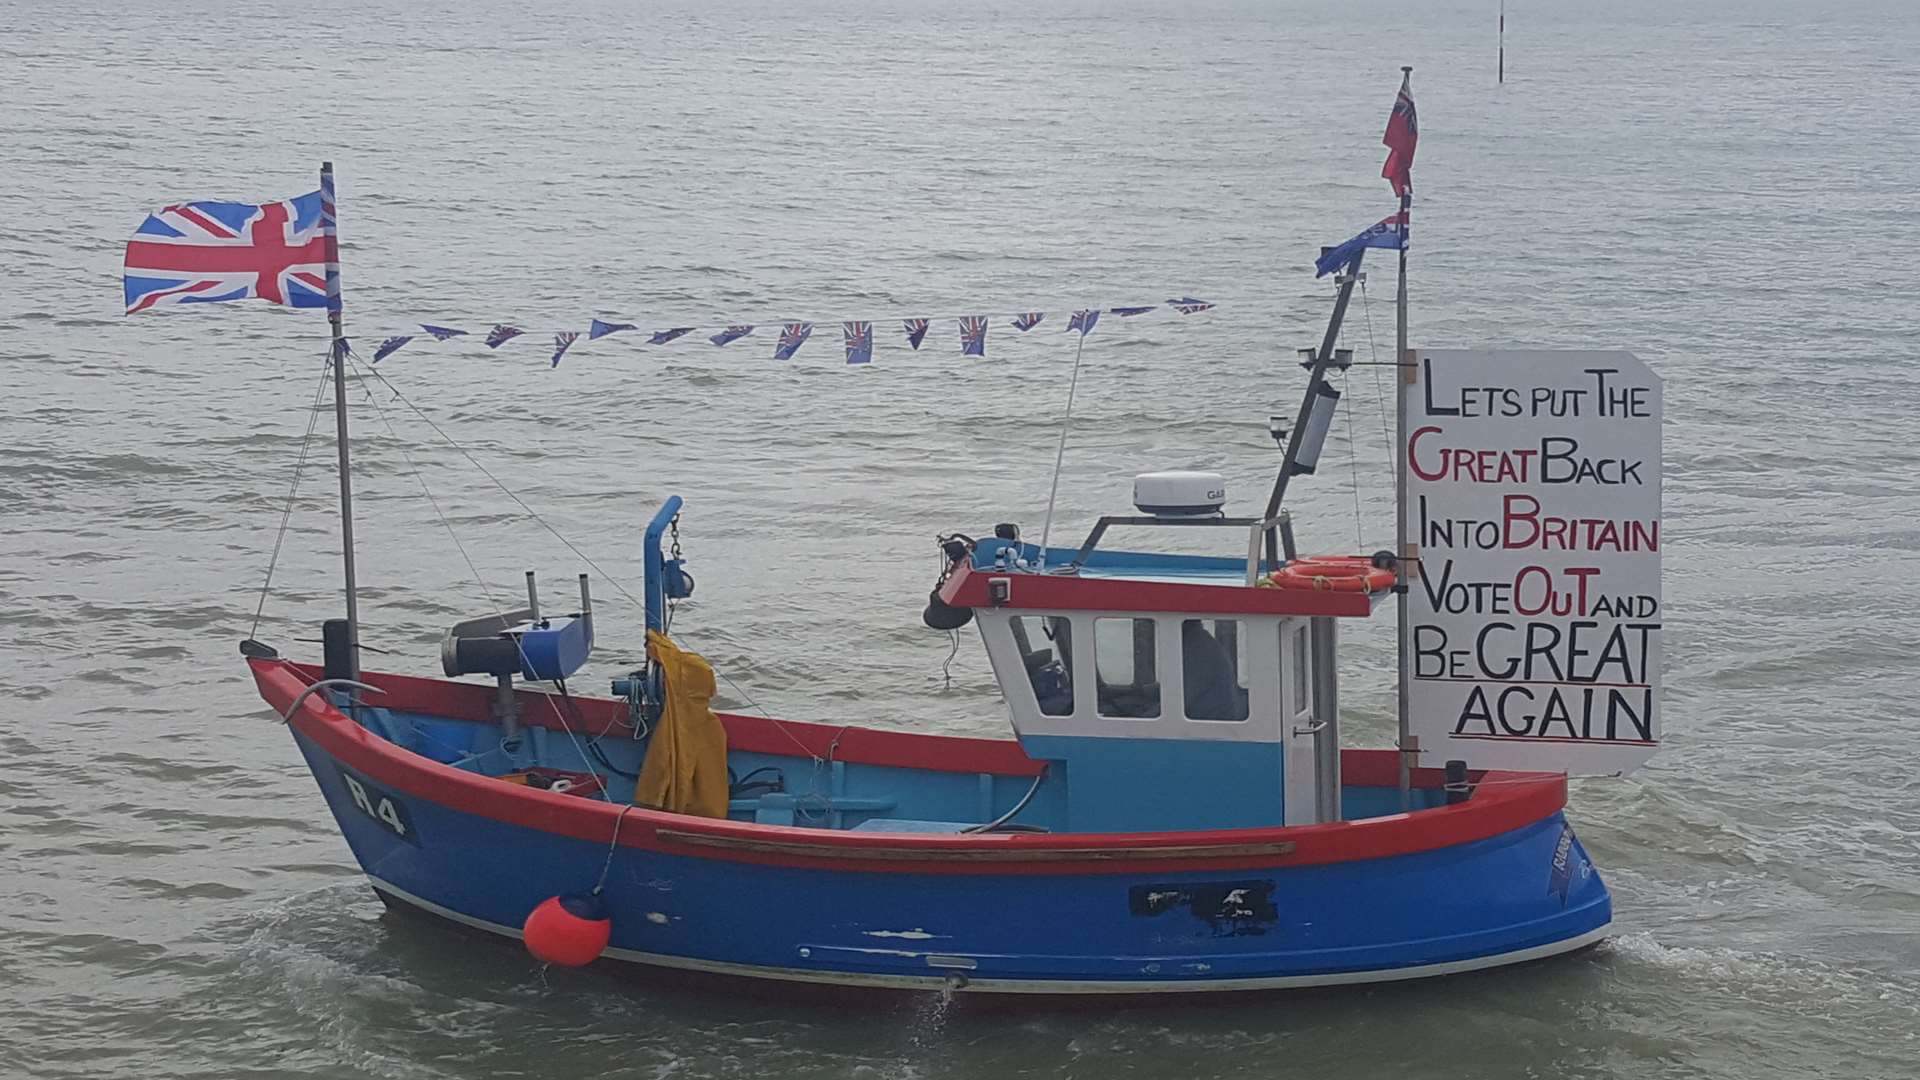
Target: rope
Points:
(1060, 453)
(286, 515)
(612, 845)
(946, 666)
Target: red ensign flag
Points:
(1403, 134)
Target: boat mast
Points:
(1409, 555)
(338, 358)
(1350, 276)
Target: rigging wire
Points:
(739, 691)
(293, 489)
(1060, 452)
(400, 445)
(1379, 393)
(530, 512)
(1353, 461)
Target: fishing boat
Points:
(1174, 812)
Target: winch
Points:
(538, 648)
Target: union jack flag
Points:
(206, 252)
(442, 333)
(731, 333)
(661, 337)
(1123, 312)
(792, 336)
(501, 334)
(859, 337)
(563, 341)
(916, 331)
(597, 329)
(1083, 320)
(1187, 305)
(973, 335)
(1028, 321)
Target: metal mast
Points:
(1408, 554)
(1349, 277)
(338, 359)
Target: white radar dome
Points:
(1179, 493)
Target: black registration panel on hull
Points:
(380, 805)
(1230, 909)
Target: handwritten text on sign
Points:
(1533, 496)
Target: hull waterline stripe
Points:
(934, 981)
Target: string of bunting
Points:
(857, 335)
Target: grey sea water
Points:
(1726, 188)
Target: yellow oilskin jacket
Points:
(686, 767)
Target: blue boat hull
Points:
(1522, 894)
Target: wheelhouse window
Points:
(1295, 639)
(1124, 669)
(1211, 666)
(1046, 649)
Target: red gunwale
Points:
(1517, 800)
(967, 587)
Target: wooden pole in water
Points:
(1503, 42)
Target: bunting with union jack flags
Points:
(208, 252)
(286, 253)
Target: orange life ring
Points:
(1333, 573)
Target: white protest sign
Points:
(1533, 502)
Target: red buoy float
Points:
(568, 930)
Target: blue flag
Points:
(563, 341)
(442, 333)
(501, 334)
(731, 333)
(1083, 320)
(597, 329)
(390, 346)
(1028, 320)
(1124, 312)
(661, 337)
(916, 331)
(1388, 232)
